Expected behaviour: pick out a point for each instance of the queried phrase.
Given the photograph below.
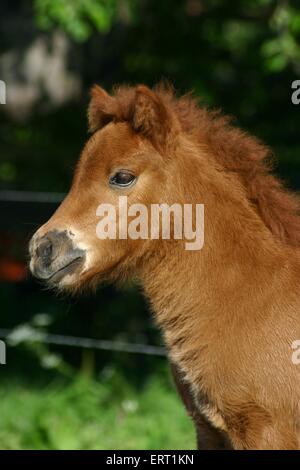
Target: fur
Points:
(230, 312)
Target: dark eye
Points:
(122, 178)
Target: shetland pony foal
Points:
(229, 312)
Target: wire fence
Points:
(31, 196)
(90, 343)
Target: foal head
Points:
(127, 155)
(153, 148)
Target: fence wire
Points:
(31, 196)
(91, 343)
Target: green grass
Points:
(89, 414)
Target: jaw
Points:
(91, 275)
(66, 273)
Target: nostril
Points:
(44, 250)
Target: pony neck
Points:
(197, 295)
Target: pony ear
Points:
(152, 118)
(102, 108)
(146, 110)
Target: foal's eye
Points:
(122, 179)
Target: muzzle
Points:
(54, 255)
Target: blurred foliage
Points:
(242, 22)
(29, 335)
(283, 48)
(87, 414)
(80, 17)
(95, 408)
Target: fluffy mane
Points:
(234, 149)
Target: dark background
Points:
(240, 56)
